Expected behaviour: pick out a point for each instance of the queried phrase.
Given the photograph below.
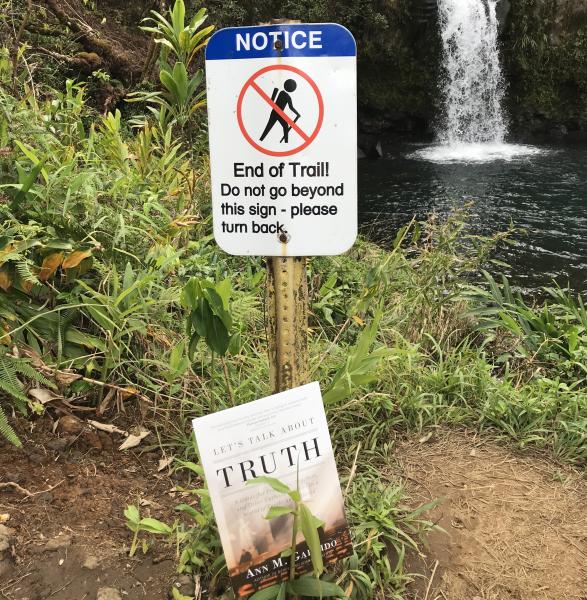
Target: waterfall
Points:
(472, 84)
(472, 124)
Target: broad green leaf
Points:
(57, 244)
(154, 526)
(282, 592)
(177, 595)
(202, 317)
(132, 514)
(27, 182)
(194, 339)
(268, 593)
(217, 306)
(188, 510)
(176, 357)
(217, 336)
(278, 511)
(30, 154)
(223, 289)
(190, 294)
(186, 464)
(308, 527)
(295, 495)
(273, 483)
(310, 586)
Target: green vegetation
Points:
(544, 52)
(543, 47)
(308, 524)
(106, 254)
(397, 52)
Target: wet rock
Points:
(36, 459)
(15, 477)
(370, 146)
(558, 131)
(59, 444)
(108, 593)
(63, 540)
(46, 497)
(93, 440)
(106, 439)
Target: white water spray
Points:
(473, 84)
(473, 126)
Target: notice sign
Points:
(274, 437)
(283, 139)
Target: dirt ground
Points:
(515, 528)
(69, 540)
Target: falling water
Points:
(473, 84)
(473, 126)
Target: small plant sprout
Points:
(308, 524)
(146, 525)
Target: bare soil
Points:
(79, 520)
(515, 527)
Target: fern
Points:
(23, 268)
(10, 384)
(6, 431)
(23, 367)
(10, 368)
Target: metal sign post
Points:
(287, 322)
(283, 158)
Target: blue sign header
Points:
(306, 40)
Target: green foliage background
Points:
(544, 51)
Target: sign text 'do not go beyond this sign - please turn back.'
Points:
(283, 140)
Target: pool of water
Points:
(542, 191)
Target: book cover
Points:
(275, 437)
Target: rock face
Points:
(503, 11)
(543, 50)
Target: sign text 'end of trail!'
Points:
(283, 139)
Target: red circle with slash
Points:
(251, 84)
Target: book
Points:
(275, 437)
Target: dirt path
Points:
(70, 542)
(516, 527)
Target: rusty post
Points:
(287, 322)
(287, 311)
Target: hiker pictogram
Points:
(282, 100)
(288, 120)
